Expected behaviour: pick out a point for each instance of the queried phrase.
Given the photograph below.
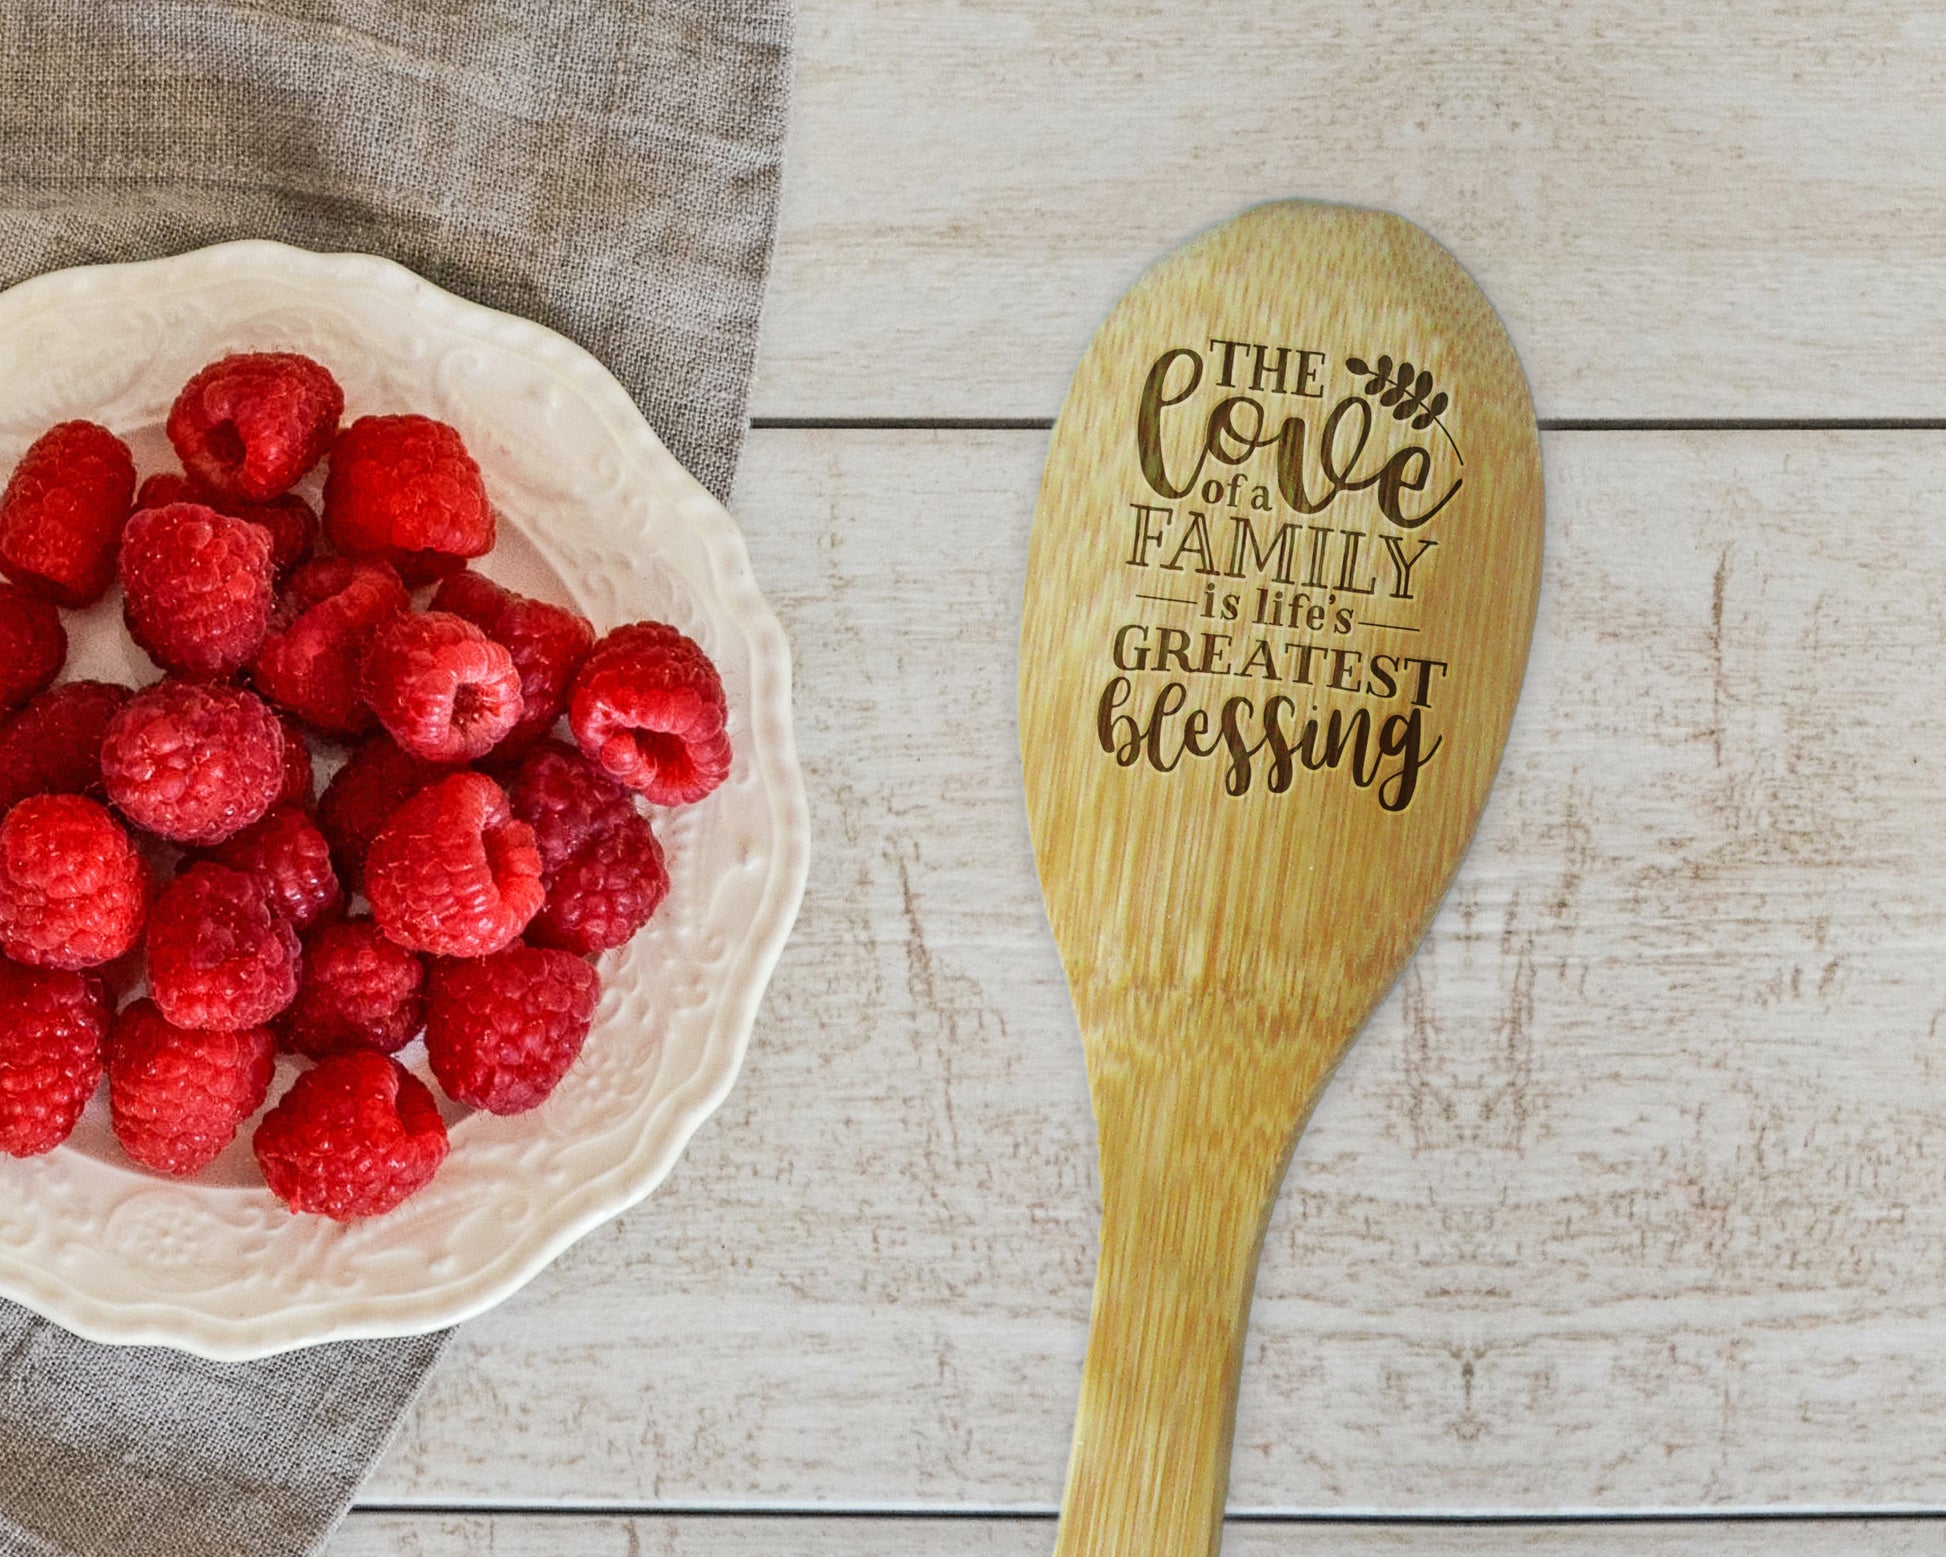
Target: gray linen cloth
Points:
(610, 170)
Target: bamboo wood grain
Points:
(1231, 896)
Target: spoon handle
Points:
(1187, 1185)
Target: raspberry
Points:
(567, 800)
(177, 1094)
(405, 488)
(53, 745)
(52, 1028)
(168, 486)
(648, 709)
(291, 861)
(361, 798)
(61, 516)
(300, 781)
(502, 1031)
(193, 763)
(73, 890)
(292, 525)
(444, 690)
(358, 991)
(452, 872)
(197, 588)
(547, 642)
(310, 661)
(33, 645)
(353, 1137)
(290, 521)
(609, 889)
(601, 863)
(220, 954)
(249, 426)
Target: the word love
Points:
(1309, 476)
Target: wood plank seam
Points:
(1255, 1517)
(1918, 424)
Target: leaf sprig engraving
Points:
(1407, 391)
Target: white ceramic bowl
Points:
(593, 511)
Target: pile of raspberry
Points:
(178, 904)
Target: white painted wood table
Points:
(1632, 1199)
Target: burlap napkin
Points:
(608, 169)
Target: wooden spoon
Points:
(1279, 596)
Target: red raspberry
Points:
(300, 781)
(358, 991)
(353, 1137)
(310, 661)
(602, 865)
(648, 708)
(53, 745)
(61, 516)
(292, 525)
(177, 1094)
(444, 690)
(502, 1031)
(605, 893)
(361, 798)
(33, 645)
(220, 954)
(452, 872)
(548, 644)
(290, 521)
(249, 426)
(73, 891)
(567, 800)
(290, 859)
(168, 486)
(197, 588)
(404, 487)
(193, 763)
(52, 1028)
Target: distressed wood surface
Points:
(434, 1535)
(1680, 210)
(1630, 1197)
